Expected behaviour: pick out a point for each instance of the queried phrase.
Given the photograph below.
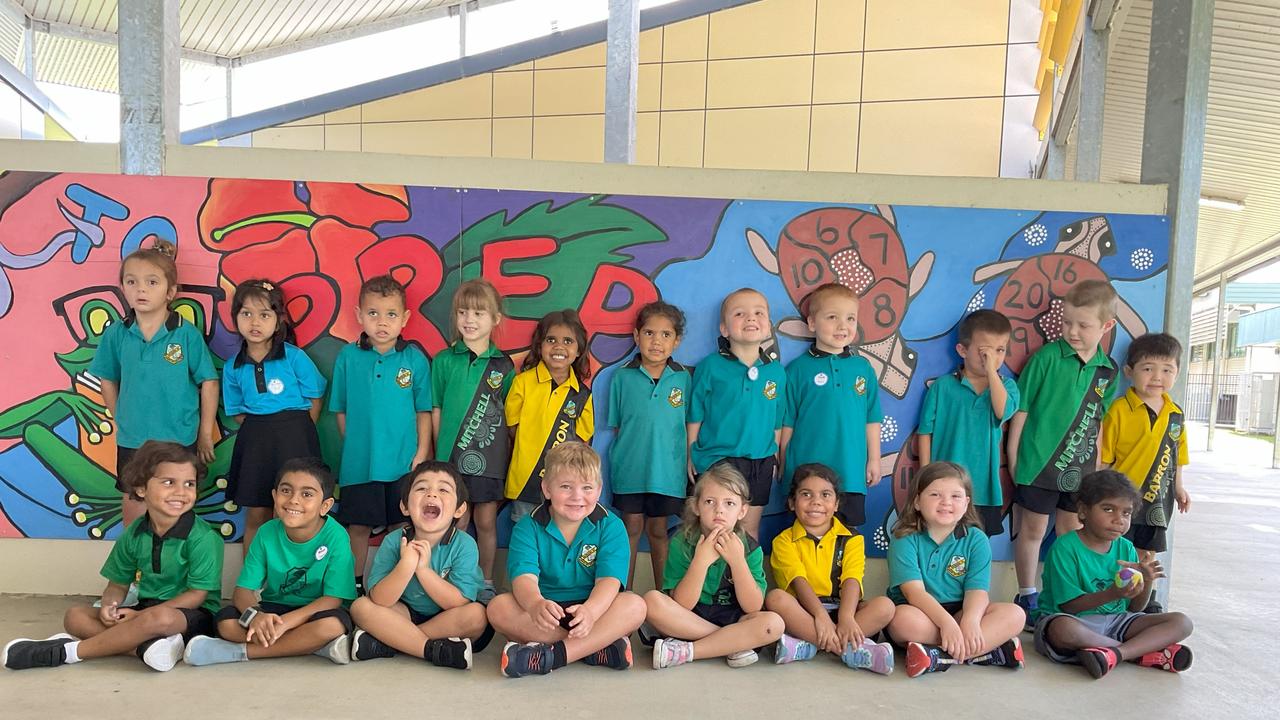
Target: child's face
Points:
(560, 348)
(256, 321)
(170, 491)
(146, 289)
(815, 502)
(1152, 376)
(300, 501)
(476, 324)
(834, 323)
(720, 507)
(1108, 519)
(572, 496)
(746, 319)
(433, 502)
(657, 340)
(1083, 327)
(943, 502)
(382, 317)
(982, 345)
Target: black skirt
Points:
(263, 445)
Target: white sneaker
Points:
(338, 650)
(164, 653)
(742, 658)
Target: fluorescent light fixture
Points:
(1222, 203)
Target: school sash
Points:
(1077, 451)
(837, 568)
(1156, 505)
(561, 429)
(483, 445)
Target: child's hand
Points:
(1151, 571)
(971, 629)
(408, 553)
(990, 364)
(729, 546)
(873, 472)
(125, 614)
(546, 614)
(705, 551)
(828, 636)
(108, 614)
(1183, 499)
(204, 446)
(582, 622)
(953, 641)
(265, 629)
(850, 633)
(423, 548)
(418, 460)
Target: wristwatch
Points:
(247, 616)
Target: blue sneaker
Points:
(527, 659)
(1029, 604)
(792, 649)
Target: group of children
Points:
(433, 447)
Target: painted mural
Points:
(917, 269)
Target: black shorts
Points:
(123, 456)
(199, 620)
(719, 615)
(231, 613)
(651, 505)
(417, 618)
(992, 517)
(484, 489)
(264, 444)
(565, 605)
(372, 504)
(1148, 537)
(852, 510)
(1039, 500)
(759, 475)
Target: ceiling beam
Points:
(15, 78)
(76, 32)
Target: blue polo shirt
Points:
(966, 431)
(739, 407)
(159, 379)
(647, 454)
(286, 379)
(831, 398)
(962, 562)
(567, 570)
(454, 558)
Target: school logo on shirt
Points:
(771, 389)
(676, 398)
(494, 380)
(173, 353)
(957, 566)
(1175, 431)
(275, 386)
(571, 409)
(587, 555)
(820, 379)
(1101, 387)
(404, 377)
(860, 385)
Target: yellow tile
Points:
(837, 78)
(446, 138)
(467, 98)
(758, 138)
(894, 24)
(760, 82)
(840, 25)
(650, 46)
(304, 122)
(680, 139)
(566, 92)
(938, 137)
(647, 138)
(513, 94)
(684, 86)
(579, 138)
(290, 138)
(342, 137)
(344, 116)
(768, 27)
(833, 138)
(515, 68)
(649, 89)
(513, 138)
(928, 74)
(589, 56)
(685, 40)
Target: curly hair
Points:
(142, 466)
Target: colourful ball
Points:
(1127, 577)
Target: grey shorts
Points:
(1113, 626)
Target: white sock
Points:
(1027, 591)
(73, 652)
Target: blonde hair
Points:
(727, 477)
(813, 301)
(475, 294)
(1095, 294)
(910, 522)
(574, 457)
(724, 304)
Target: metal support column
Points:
(1055, 161)
(29, 51)
(1219, 330)
(462, 29)
(1093, 91)
(148, 84)
(622, 69)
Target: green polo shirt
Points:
(716, 588)
(1072, 569)
(159, 379)
(948, 570)
(830, 401)
(647, 454)
(296, 574)
(1053, 386)
(567, 570)
(188, 557)
(739, 407)
(966, 431)
(455, 558)
(456, 374)
(381, 394)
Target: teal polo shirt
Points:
(381, 394)
(717, 589)
(456, 375)
(739, 407)
(286, 379)
(567, 570)
(159, 379)
(299, 573)
(1072, 569)
(1053, 385)
(962, 562)
(831, 398)
(647, 454)
(455, 558)
(966, 431)
(187, 557)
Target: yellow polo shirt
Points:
(533, 406)
(797, 554)
(1131, 441)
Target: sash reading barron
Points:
(1156, 506)
(561, 429)
(1077, 452)
(483, 445)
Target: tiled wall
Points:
(919, 86)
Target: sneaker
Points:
(1097, 661)
(1007, 655)
(528, 659)
(742, 658)
(367, 647)
(870, 655)
(205, 650)
(25, 653)
(791, 649)
(648, 634)
(669, 652)
(161, 654)
(923, 659)
(487, 593)
(1153, 608)
(1174, 658)
(448, 652)
(1029, 604)
(337, 650)
(616, 655)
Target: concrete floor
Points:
(1230, 534)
